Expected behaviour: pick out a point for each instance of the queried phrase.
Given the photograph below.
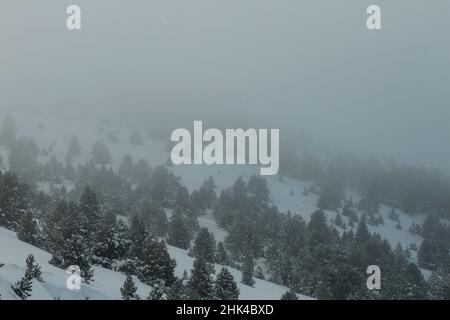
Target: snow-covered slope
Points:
(106, 284)
(286, 194)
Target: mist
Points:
(308, 66)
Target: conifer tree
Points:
(179, 234)
(128, 290)
(248, 270)
(289, 295)
(156, 264)
(33, 268)
(225, 288)
(221, 254)
(177, 291)
(27, 229)
(204, 246)
(24, 286)
(200, 283)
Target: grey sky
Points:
(287, 63)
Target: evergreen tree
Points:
(111, 241)
(90, 210)
(179, 233)
(362, 232)
(200, 284)
(155, 218)
(128, 290)
(177, 291)
(247, 271)
(27, 229)
(24, 286)
(221, 254)
(156, 264)
(289, 295)
(33, 268)
(14, 200)
(204, 246)
(225, 288)
(138, 235)
(157, 291)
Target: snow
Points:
(106, 284)
(286, 194)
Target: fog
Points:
(310, 66)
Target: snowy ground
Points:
(106, 284)
(286, 194)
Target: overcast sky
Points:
(310, 64)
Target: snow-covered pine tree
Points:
(138, 236)
(177, 291)
(248, 270)
(33, 268)
(200, 283)
(225, 288)
(179, 234)
(156, 264)
(24, 286)
(221, 254)
(111, 242)
(27, 229)
(204, 246)
(90, 209)
(157, 291)
(289, 295)
(155, 217)
(129, 289)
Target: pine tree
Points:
(128, 290)
(179, 234)
(177, 291)
(247, 271)
(14, 200)
(225, 288)
(90, 209)
(155, 218)
(33, 268)
(138, 235)
(111, 241)
(156, 264)
(24, 286)
(362, 232)
(27, 229)
(200, 284)
(157, 291)
(221, 254)
(289, 295)
(204, 246)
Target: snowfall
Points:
(286, 194)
